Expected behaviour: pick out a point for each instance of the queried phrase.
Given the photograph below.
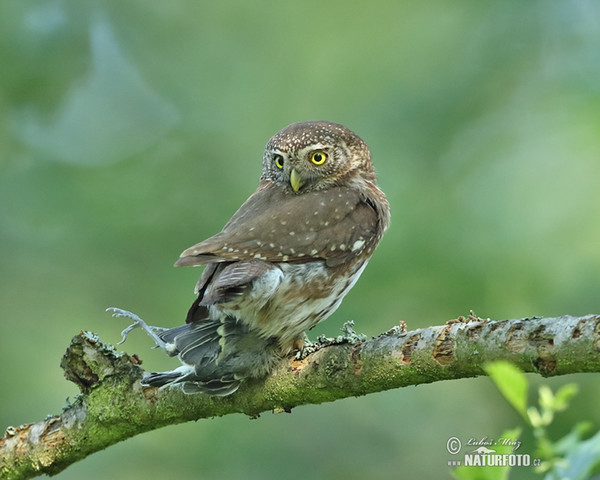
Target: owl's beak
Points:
(296, 181)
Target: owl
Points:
(281, 264)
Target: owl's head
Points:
(309, 156)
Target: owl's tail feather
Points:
(216, 356)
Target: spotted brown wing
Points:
(277, 226)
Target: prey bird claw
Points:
(138, 323)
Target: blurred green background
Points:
(131, 130)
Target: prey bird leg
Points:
(138, 323)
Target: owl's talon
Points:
(138, 323)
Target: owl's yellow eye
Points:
(318, 158)
(278, 160)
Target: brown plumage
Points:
(282, 263)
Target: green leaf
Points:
(563, 396)
(546, 398)
(534, 417)
(551, 403)
(512, 384)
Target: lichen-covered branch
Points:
(114, 406)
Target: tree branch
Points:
(114, 406)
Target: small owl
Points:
(282, 263)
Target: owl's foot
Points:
(138, 323)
